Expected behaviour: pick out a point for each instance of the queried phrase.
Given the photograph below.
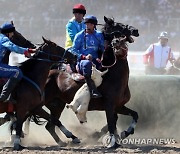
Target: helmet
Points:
(79, 8)
(7, 28)
(163, 35)
(91, 19)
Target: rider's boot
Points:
(7, 88)
(92, 88)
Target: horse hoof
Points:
(62, 144)
(18, 147)
(123, 135)
(76, 141)
(81, 122)
(115, 146)
(109, 141)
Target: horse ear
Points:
(45, 40)
(12, 22)
(105, 19)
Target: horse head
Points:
(117, 35)
(48, 52)
(20, 40)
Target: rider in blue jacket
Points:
(13, 73)
(86, 45)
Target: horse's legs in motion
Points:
(56, 109)
(126, 111)
(52, 120)
(19, 124)
(110, 119)
(110, 140)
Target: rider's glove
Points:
(83, 57)
(98, 60)
(32, 50)
(27, 54)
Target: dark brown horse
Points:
(35, 71)
(61, 88)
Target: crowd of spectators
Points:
(36, 18)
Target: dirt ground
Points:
(96, 149)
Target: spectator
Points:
(157, 55)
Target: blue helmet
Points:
(7, 28)
(91, 19)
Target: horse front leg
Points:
(126, 111)
(109, 141)
(17, 141)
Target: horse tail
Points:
(36, 119)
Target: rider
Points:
(75, 24)
(157, 55)
(12, 73)
(86, 45)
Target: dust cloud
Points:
(155, 98)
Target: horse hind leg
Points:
(51, 129)
(126, 111)
(52, 120)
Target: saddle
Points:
(7, 106)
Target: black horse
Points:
(61, 88)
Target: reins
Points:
(48, 60)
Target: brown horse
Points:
(32, 85)
(61, 88)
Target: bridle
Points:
(49, 56)
(116, 46)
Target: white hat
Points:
(163, 35)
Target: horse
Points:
(35, 71)
(61, 88)
(175, 68)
